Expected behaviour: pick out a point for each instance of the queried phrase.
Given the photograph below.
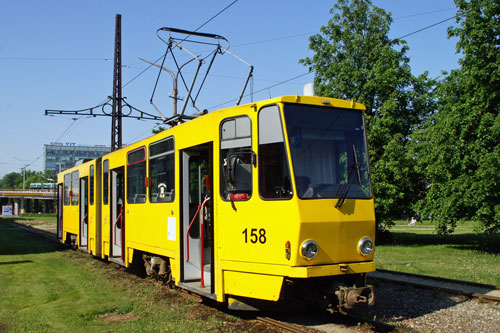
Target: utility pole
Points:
(116, 101)
(24, 179)
(116, 119)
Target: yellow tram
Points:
(259, 202)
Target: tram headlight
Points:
(309, 249)
(365, 246)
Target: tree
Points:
(459, 148)
(355, 59)
(12, 180)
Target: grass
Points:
(46, 288)
(45, 222)
(463, 255)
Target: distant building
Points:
(60, 156)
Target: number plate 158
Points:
(255, 235)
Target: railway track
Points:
(469, 289)
(466, 288)
(284, 325)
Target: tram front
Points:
(330, 169)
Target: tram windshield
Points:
(328, 150)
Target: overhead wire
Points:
(299, 76)
(261, 90)
(422, 14)
(427, 27)
(56, 59)
(56, 140)
(201, 26)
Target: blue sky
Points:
(57, 54)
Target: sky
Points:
(58, 54)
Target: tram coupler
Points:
(351, 297)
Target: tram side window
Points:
(91, 184)
(105, 182)
(162, 170)
(274, 173)
(74, 188)
(237, 159)
(136, 176)
(67, 184)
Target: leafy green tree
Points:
(158, 130)
(459, 148)
(355, 59)
(12, 180)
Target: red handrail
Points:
(121, 225)
(202, 282)
(83, 220)
(200, 208)
(187, 233)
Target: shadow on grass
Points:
(15, 241)
(487, 243)
(15, 262)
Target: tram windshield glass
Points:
(328, 150)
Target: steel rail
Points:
(283, 325)
(468, 294)
(441, 279)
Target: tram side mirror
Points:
(239, 170)
(232, 168)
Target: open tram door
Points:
(197, 219)
(117, 216)
(84, 213)
(59, 211)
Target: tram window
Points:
(136, 176)
(105, 183)
(162, 171)
(67, 184)
(91, 184)
(237, 159)
(274, 174)
(74, 188)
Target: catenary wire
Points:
(201, 26)
(299, 76)
(427, 27)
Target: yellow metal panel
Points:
(267, 287)
(328, 270)
(299, 272)
(105, 248)
(151, 249)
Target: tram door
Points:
(84, 212)
(197, 202)
(117, 214)
(59, 210)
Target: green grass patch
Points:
(49, 218)
(46, 223)
(39, 215)
(47, 288)
(463, 255)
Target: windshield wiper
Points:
(344, 188)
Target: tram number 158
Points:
(255, 235)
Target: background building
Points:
(61, 156)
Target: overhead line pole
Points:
(116, 118)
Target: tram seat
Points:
(304, 188)
(138, 198)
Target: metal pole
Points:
(22, 200)
(116, 119)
